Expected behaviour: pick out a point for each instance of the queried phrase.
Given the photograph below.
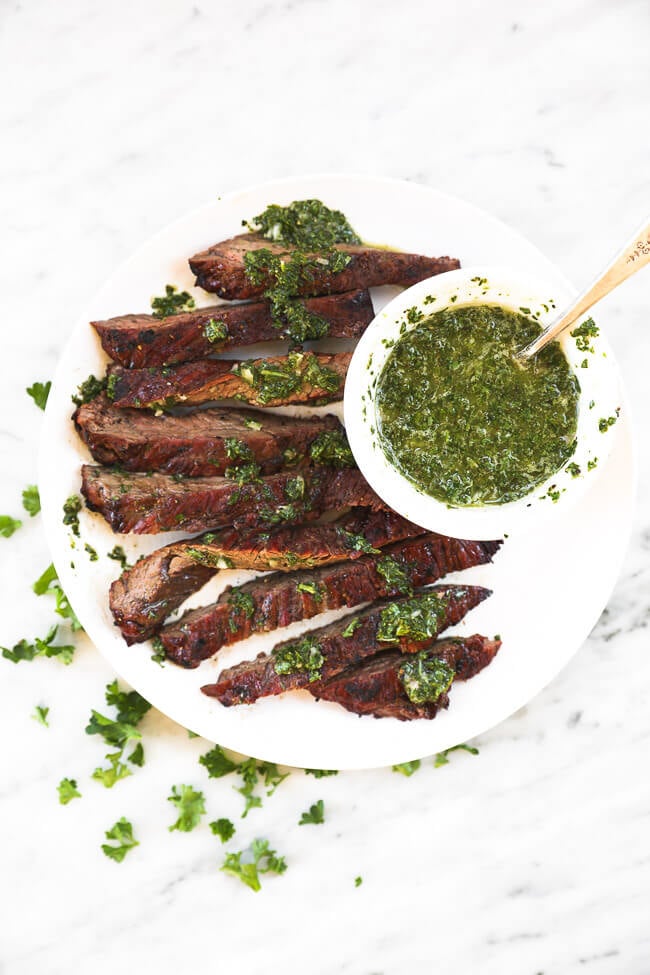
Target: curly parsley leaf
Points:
(137, 755)
(9, 525)
(116, 770)
(223, 828)
(39, 392)
(217, 763)
(314, 815)
(68, 791)
(131, 706)
(31, 500)
(122, 833)
(40, 714)
(247, 865)
(25, 651)
(442, 759)
(48, 582)
(190, 806)
(407, 768)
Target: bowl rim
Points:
(481, 284)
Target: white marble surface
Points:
(533, 856)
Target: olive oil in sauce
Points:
(465, 421)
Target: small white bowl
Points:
(599, 399)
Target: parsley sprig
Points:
(122, 833)
(247, 865)
(190, 806)
(253, 774)
(118, 732)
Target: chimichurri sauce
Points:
(465, 422)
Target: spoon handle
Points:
(634, 255)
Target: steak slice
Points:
(137, 341)
(376, 687)
(300, 377)
(148, 504)
(195, 444)
(274, 601)
(410, 624)
(221, 268)
(157, 584)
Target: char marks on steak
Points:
(144, 595)
(195, 444)
(272, 602)
(369, 633)
(221, 269)
(148, 504)
(374, 686)
(140, 341)
(194, 383)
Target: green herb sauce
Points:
(425, 677)
(303, 655)
(463, 420)
(332, 449)
(278, 381)
(419, 618)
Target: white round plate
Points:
(550, 586)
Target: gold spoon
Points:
(634, 255)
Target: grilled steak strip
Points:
(221, 269)
(374, 686)
(137, 341)
(266, 604)
(157, 584)
(196, 444)
(330, 651)
(301, 377)
(148, 504)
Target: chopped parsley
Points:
(407, 768)
(299, 656)
(252, 424)
(351, 627)
(442, 759)
(312, 588)
(332, 449)
(583, 333)
(247, 865)
(25, 651)
(321, 773)
(394, 575)
(173, 302)
(358, 881)
(425, 677)
(419, 618)
(243, 473)
(31, 500)
(294, 489)
(9, 525)
(573, 469)
(223, 828)
(122, 833)
(357, 542)
(40, 714)
(118, 554)
(48, 584)
(242, 602)
(190, 806)
(159, 654)
(304, 223)
(71, 509)
(92, 552)
(276, 380)
(215, 331)
(606, 422)
(217, 763)
(591, 464)
(116, 770)
(314, 815)
(89, 390)
(39, 392)
(117, 732)
(68, 791)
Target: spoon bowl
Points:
(599, 400)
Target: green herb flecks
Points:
(118, 554)
(419, 618)
(39, 392)
(217, 763)
(68, 791)
(606, 422)
(223, 828)
(48, 584)
(321, 773)
(315, 815)
(159, 654)
(331, 449)
(351, 627)
(118, 732)
(307, 224)
(190, 806)
(40, 714)
(71, 509)
(88, 390)
(425, 677)
(122, 833)
(25, 651)
(215, 331)
(357, 542)
(31, 500)
(394, 575)
(277, 382)
(173, 302)
(247, 865)
(242, 603)
(301, 656)
(92, 552)
(583, 333)
(573, 469)
(407, 768)
(9, 525)
(442, 757)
